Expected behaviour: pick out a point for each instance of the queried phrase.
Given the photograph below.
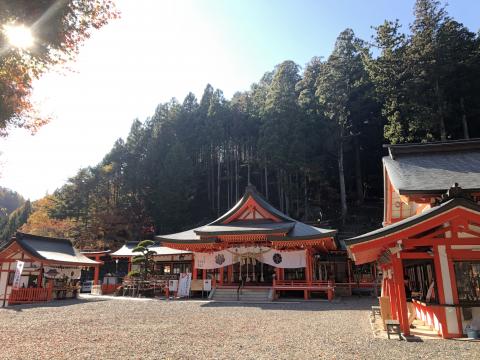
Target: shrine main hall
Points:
(256, 246)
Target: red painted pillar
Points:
(194, 270)
(220, 280)
(39, 277)
(401, 297)
(229, 274)
(129, 264)
(204, 274)
(96, 275)
(308, 269)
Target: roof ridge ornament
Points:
(455, 192)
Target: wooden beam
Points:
(415, 255)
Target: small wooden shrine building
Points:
(51, 269)
(255, 244)
(430, 242)
(168, 261)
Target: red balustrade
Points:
(30, 295)
(110, 288)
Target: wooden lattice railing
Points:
(30, 295)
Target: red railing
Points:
(313, 285)
(302, 283)
(110, 288)
(30, 295)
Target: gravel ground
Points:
(151, 329)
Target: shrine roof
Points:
(272, 223)
(251, 192)
(126, 250)
(431, 168)
(241, 227)
(51, 249)
(369, 247)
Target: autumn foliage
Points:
(59, 28)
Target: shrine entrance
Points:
(252, 272)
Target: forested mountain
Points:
(12, 215)
(309, 139)
(9, 201)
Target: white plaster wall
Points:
(3, 283)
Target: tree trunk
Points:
(341, 176)
(218, 185)
(297, 195)
(287, 196)
(280, 192)
(305, 197)
(236, 174)
(466, 134)
(358, 171)
(443, 131)
(266, 182)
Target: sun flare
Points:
(19, 36)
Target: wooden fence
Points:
(30, 295)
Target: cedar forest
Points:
(309, 139)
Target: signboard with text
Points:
(207, 285)
(18, 274)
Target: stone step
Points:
(246, 295)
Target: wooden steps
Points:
(245, 295)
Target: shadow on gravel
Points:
(342, 304)
(51, 304)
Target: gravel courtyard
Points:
(151, 329)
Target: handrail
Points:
(240, 286)
(303, 283)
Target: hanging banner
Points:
(285, 259)
(275, 258)
(59, 272)
(18, 274)
(184, 283)
(213, 260)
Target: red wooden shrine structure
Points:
(246, 245)
(430, 243)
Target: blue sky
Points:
(164, 49)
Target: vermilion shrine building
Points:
(431, 235)
(256, 245)
(52, 269)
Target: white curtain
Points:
(275, 258)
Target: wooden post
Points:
(39, 277)
(230, 274)
(350, 280)
(401, 297)
(220, 280)
(330, 291)
(194, 270)
(96, 275)
(204, 274)
(50, 289)
(308, 268)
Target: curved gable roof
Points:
(52, 249)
